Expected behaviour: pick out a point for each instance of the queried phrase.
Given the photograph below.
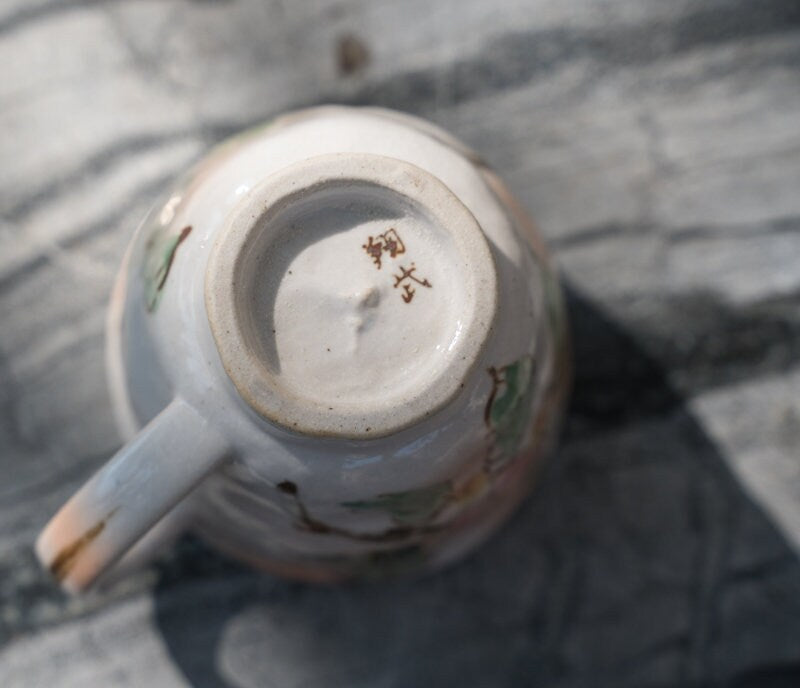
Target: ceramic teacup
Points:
(336, 349)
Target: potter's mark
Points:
(391, 243)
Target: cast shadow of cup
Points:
(634, 563)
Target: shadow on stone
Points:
(637, 562)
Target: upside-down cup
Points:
(336, 349)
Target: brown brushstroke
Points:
(374, 250)
(388, 242)
(68, 556)
(408, 273)
(305, 521)
(184, 233)
(496, 382)
(408, 290)
(392, 243)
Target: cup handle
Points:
(129, 495)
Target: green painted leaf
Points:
(510, 411)
(159, 256)
(411, 508)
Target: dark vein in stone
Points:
(616, 385)
(515, 59)
(95, 165)
(134, 199)
(32, 14)
(586, 236)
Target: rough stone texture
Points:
(658, 144)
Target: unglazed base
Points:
(350, 295)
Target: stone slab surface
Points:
(657, 143)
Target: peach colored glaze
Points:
(337, 349)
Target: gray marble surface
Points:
(658, 145)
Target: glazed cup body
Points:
(318, 506)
